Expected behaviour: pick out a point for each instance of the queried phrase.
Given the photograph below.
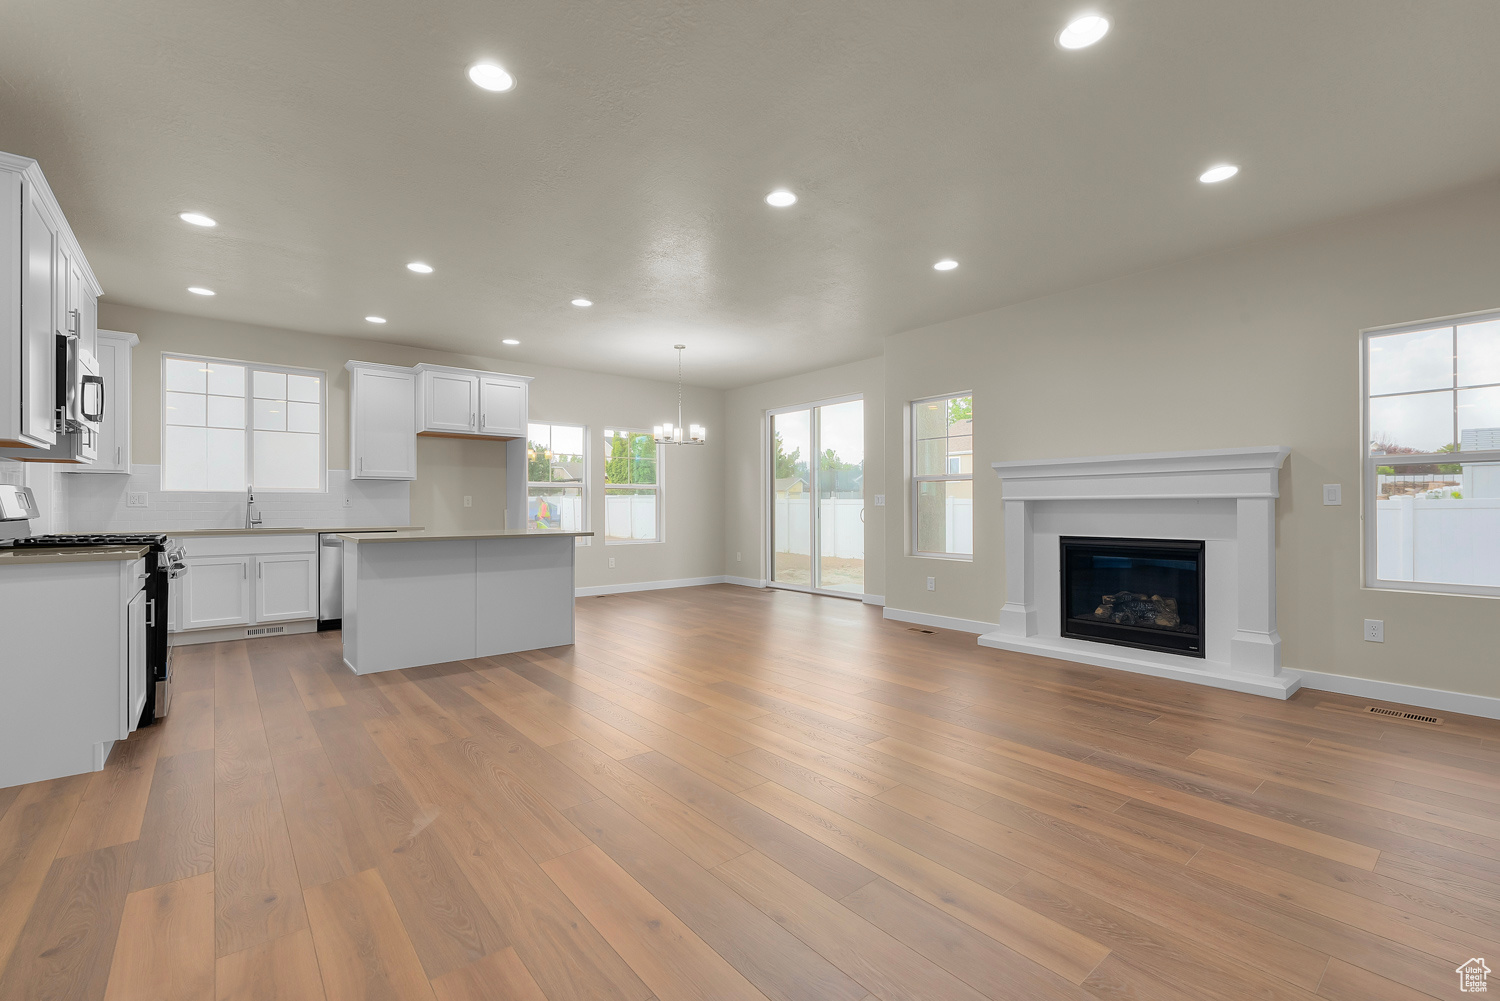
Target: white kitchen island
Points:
(414, 598)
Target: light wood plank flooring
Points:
(722, 793)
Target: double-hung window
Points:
(227, 425)
(942, 482)
(557, 497)
(632, 487)
(1432, 456)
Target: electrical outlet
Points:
(880, 500)
(611, 562)
(348, 501)
(468, 500)
(932, 583)
(136, 498)
(739, 557)
(1375, 630)
(1333, 494)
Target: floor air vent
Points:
(919, 629)
(1382, 711)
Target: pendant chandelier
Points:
(676, 434)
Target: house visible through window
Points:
(557, 475)
(227, 425)
(632, 487)
(943, 477)
(1432, 461)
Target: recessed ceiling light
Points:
(1082, 32)
(419, 268)
(374, 319)
(199, 290)
(491, 76)
(511, 341)
(947, 264)
(583, 303)
(1222, 172)
(196, 218)
(781, 198)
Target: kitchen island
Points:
(413, 598)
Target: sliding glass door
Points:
(817, 528)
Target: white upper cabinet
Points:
(451, 402)
(113, 349)
(382, 438)
(471, 404)
(502, 406)
(46, 290)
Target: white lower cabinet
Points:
(286, 587)
(234, 581)
(137, 628)
(215, 592)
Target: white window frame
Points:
(583, 485)
(1369, 493)
(251, 367)
(660, 487)
(917, 481)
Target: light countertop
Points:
(423, 536)
(277, 530)
(14, 556)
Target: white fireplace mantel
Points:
(1224, 497)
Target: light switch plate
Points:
(1375, 630)
(880, 500)
(1333, 494)
(136, 498)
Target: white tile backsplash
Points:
(50, 488)
(95, 502)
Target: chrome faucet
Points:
(252, 516)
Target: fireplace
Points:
(1145, 593)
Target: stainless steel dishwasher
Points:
(330, 581)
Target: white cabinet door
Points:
(502, 407)
(286, 587)
(113, 456)
(216, 592)
(451, 402)
(39, 322)
(382, 438)
(135, 662)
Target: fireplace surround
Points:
(1223, 498)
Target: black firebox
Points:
(1145, 593)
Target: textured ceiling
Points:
(336, 141)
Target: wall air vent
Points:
(1398, 714)
(265, 631)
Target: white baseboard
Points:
(938, 621)
(745, 581)
(1412, 695)
(874, 599)
(649, 585)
